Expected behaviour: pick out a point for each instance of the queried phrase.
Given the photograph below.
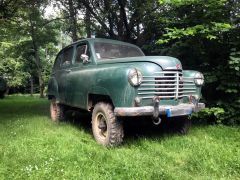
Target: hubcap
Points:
(101, 125)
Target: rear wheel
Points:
(56, 111)
(107, 129)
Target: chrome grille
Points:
(166, 85)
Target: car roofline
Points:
(99, 40)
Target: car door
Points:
(78, 84)
(62, 74)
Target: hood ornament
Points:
(177, 67)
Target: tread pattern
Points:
(59, 111)
(115, 132)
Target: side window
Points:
(81, 49)
(67, 57)
(57, 62)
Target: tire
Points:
(182, 125)
(107, 129)
(56, 111)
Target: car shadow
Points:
(134, 127)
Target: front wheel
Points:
(107, 129)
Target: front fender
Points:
(112, 80)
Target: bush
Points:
(226, 114)
(214, 115)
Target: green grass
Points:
(33, 147)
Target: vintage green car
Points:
(3, 87)
(111, 78)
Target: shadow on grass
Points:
(136, 128)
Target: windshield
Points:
(112, 51)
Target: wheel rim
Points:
(101, 125)
(53, 109)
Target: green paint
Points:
(73, 84)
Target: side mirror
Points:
(85, 58)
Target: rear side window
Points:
(57, 62)
(67, 57)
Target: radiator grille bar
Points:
(166, 85)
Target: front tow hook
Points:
(156, 113)
(156, 119)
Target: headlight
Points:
(135, 77)
(199, 79)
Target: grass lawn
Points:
(31, 146)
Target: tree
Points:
(11, 68)
(121, 19)
(70, 16)
(205, 35)
(32, 32)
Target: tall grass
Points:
(31, 146)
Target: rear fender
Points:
(53, 89)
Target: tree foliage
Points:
(29, 33)
(203, 34)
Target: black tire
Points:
(182, 125)
(56, 111)
(107, 129)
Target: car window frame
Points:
(88, 51)
(71, 60)
(58, 60)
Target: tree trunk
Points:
(31, 86)
(88, 23)
(7, 91)
(37, 59)
(73, 20)
(107, 4)
(39, 70)
(41, 84)
(123, 16)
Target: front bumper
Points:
(155, 111)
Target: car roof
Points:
(103, 40)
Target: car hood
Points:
(166, 62)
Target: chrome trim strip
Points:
(168, 72)
(146, 89)
(177, 86)
(158, 80)
(141, 93)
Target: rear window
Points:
(58, 60)
(67, 57)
